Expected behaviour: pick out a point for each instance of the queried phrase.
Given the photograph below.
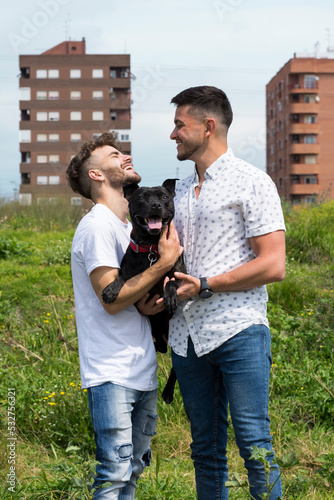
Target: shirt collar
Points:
(215, 169)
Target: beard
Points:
(117, 179)
(189, 149)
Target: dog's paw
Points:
(170, 297)
(111, 291)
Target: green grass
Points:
(54, 450)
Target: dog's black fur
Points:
(150, 210)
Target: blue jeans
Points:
(124, 421)
(236, 373)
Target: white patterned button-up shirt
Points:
(237, 201)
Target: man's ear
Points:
(169, 184)
(96, 175)
(210, 126)
(129, 190)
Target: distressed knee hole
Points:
(124, 452)
(146, 459)
(150, 425)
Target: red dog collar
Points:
(143, 248)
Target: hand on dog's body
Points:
(134, 288)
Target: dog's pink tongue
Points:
(154, 223)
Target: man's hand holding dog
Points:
(169, 246)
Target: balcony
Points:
(304, 128)
(304, 189)
(307, 108)
(304, 169)
(297, 88)
(304, 149)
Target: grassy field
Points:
(46, 445)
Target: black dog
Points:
(150, 209)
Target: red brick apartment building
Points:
(300, 127)
(66, 98)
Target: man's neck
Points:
(115, 201)
(207, 159)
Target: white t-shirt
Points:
(237, 201)
(112, 348)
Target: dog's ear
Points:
(169, 184)
(129, 190)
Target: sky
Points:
(236, 45)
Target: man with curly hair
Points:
(117, 356)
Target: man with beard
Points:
(229, 220)
(117, 357)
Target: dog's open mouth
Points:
(154, 223)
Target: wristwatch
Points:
(205, 291)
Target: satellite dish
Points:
(317, 98)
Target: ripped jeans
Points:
(124, 421)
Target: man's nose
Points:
(173, 135)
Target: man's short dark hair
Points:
(206, 100)
(77, 171)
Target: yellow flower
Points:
(62, 393)
(48, 314)
(72, 384)
(45, 398)
(85, 390)
(52, 404)
(70, 394)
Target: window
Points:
(75, 73)
(279, 106)
(54, 180)
(124, 73)
(113, 73)
(25, 199)
(97, 73)
(310, 139)
(112, 93)
(41, 95)
(295, 179)
(42, 138)
(113, 115)
(272, 149)
(54, 137)
(125, 137)
(97, 115)
(53, 73)
(311, 179)
(309, 98)
(295, 139)
(42, 180)
(25, 115)
(309, 118)
(41, 73)
(25, 135)
(42, 159)
(25, 178)
(54, 116)
(310, 159)
(75, 200)
(310, 81)
(97, 94)
(53, 95)
(25, 94)
(53, 158)
(75, 95)
(310, 199)
(42, 116)
(25, 157)
(75, 115)
(75, 137)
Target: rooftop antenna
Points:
(328, 36)
(68, 27)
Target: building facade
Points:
(300, 127)
(66, 98)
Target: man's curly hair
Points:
(77, 171)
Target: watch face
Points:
(206, 293)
